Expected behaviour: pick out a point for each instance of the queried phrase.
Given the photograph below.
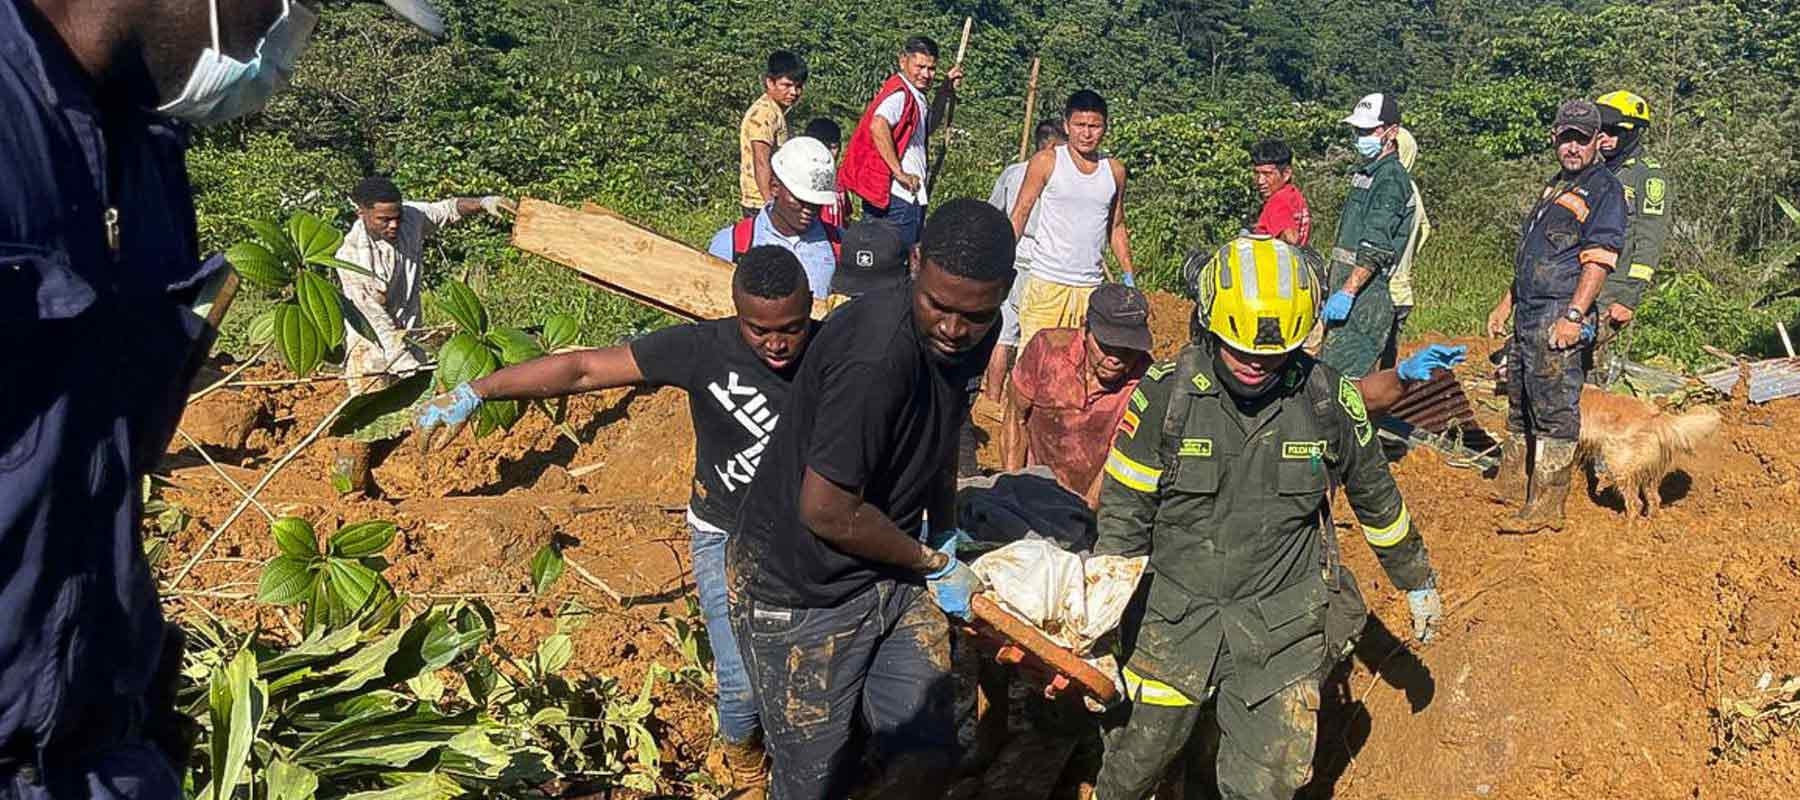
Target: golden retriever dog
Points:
(1637, 443)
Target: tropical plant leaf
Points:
(1793, 214)
(459, 302)
(315, 239)
(289, 782)
(546, 566)
(256, 264)
(320, 300)
(362, 539)
(276, 239)
(238, 702)
(262, 328)
(426, 786)
(286, 580)
(301, 344)
(554, 653)
(560, 331)
(384, 414)
(334, 262)
(352, 584)
(463, 358)
(515, 346)
(294, 537)
(498, 414)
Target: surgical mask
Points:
(222, 88)
(1369, 146)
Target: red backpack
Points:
(744, 230)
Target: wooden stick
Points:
(1050, 653)
(968, 23)
(949, 113)
(593, 580)
(233, 374)
(1786, 343)
(242, 492)
(250, 497)
(1030, 108)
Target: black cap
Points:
(1119, 315)
(871, 256)
(1578, 114)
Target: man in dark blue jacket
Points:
(99, 277)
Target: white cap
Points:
(1373, 111)
(804, 167)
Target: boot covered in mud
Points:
(1549, 494)
(1509, 482)
(741, 765)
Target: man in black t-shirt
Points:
(831, 577)
(737, 372)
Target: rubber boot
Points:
(743, 766)
(1509, 482)
(1549, 494)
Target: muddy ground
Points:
(1581, 664)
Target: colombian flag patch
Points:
(1128, 424)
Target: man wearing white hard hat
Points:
(1372, 236)
(804, 181)
(100, 271)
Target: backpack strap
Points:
(836, 238)
(742, 232)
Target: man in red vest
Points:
(885, 161)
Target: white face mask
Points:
(222, 88)
(1369, 146)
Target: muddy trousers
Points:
(1543, 386)
(879, 659)
(1354, 346)
(737, 705)
(1265, 749)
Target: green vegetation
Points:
(636, 107)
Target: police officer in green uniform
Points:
(1222, 471)
(1649, 212)
(1372, 234)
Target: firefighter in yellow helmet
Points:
(1649, 212)
(1222, 472)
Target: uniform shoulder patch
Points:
(1656, 193)
(1128, 425)
(1138, 401)
(1202, 382)
(1351, 399)
(1159, 371)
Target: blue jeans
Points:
(907, 218)
(882, 658)
(737, 704)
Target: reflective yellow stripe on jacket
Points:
(1131, 473)
(1152, 692)
(1391, 534)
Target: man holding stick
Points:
(885, 162)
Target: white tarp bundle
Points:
(1072, 601)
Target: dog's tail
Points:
(1680, 434)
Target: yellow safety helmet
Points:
(1259, 294)
(1630, 106)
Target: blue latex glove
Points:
(1337, 309)
(956, 585)
(449, 412)
(1588, 332)
(1427, 611)
(1128, 279)
(1419, 366)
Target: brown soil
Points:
(1579, 664)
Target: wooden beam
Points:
(610, 251)
(1030, 107)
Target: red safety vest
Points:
(744, 230)
(861, 171)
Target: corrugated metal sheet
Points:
(1437, 413)
(1772, 379)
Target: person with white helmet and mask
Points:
(100, 271)
(804, 181)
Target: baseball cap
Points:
(871, 257)
(1374, 111)
(420, 13)
(804, 167)
(1578, 114)
(1119, 315)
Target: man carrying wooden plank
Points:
(804, 182)
(885, 162)
(832, 580)
(738, 374)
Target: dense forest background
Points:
(636, 106)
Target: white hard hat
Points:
(1374, 111)
(804, 167)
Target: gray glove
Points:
(493, 204)
(1427, 610)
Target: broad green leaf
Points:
(478, 744)
(352, 583)
(301, 344)
(366, 664)
(362, 539)
(546, 566)
(384, 414)
(463, 358)
(262, 328)
(459, 302)
(337, 263)
(276, 239)
(1787, 208)
(554, 653)
(444, 640)
(500, 414)
(429, 786)
(237, 705)
(289, 782)
(294, 537)
(426, 686)
(286, 580)
(315, 239)
(259, 266)
(560, 331)
(319, 299)
(549, 717)
(515, 346)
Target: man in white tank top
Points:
(1079, 198)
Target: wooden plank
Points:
(612, 252)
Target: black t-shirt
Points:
(735, 400)
(869, 410)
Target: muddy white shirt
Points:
(736, 402)
(390, 301)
